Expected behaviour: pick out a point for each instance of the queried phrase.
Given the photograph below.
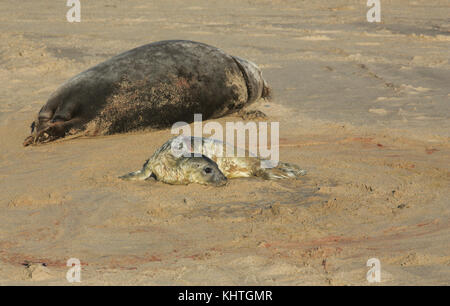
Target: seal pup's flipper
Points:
(291, 169)
(136, 176)
(281, 171)
(139, 175)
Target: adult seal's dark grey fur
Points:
(152, 86)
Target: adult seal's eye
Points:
(208, 170)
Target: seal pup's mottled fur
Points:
(175, 163)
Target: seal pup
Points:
(179, 170)
(175, 162)
(153, 86)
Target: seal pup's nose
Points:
(220, 180)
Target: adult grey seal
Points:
(154, 86)
(175, 163)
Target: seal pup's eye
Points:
(208, 170)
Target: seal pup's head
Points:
(201, 170)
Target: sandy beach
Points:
(364, 107)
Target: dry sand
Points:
(364, 107)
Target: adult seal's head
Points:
(257, 87)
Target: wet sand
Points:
(363, 107)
